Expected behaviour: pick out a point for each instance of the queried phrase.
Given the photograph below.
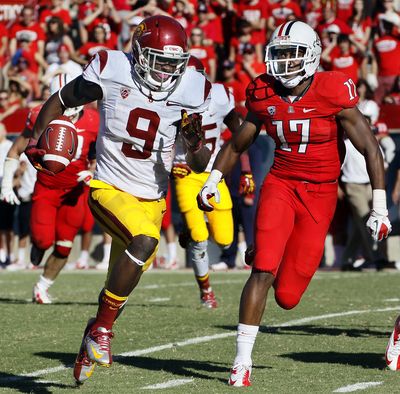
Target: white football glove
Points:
(378, 222)
(209, 190)
(7, 192)
(379, 225)
(85, 176)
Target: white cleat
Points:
(17, 266)
(240, 376)
(40, 296)
(392, 355)
(103, 266)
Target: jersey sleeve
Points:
(93, 70)
(340, 90)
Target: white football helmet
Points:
(370, 109)
(293, 53)
(56, 84)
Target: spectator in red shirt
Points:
(238, 42)
(28, 80)
(183, 11)
(281, 11)
(231, 82)
(387, 53)
(6, 108)
(313, 13)
(344, 9)
(340, 56)
(3, 49)
(257, 13)
(250, 67)
(30, 30)
(360, 23)
(55, 10)
(205, 53)
(330, 21)
(106, 15)
(55, 37)
(210, 25)
(96, 43)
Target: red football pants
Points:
(56, 217)
(292, 222)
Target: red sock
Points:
(109, 304)
(203, 282)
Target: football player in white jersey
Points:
(144, 97)
(188, 184)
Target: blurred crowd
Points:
(360, 38)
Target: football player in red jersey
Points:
(299, 109)
(144, 98)
(58, 202)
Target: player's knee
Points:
(286, 300)
(142, 247)
(62, 249)
(42, 243)
(199, 234)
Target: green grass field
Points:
(165, 342)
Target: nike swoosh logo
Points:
(95, 354)
(169, 104)
(305, 110)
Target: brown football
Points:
(60, 142)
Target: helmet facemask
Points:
(290, 62)
(161, 70)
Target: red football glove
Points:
(180, 170)
(247, 184)
(35, 155)
(191, 131)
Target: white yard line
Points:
(197, 340)
(357, 387)
(162, 299)
(168, 384)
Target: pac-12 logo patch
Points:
(125, 92)
(271, 110)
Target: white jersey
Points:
(222, 102)
(137, 135)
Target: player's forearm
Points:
(226, 158)
(18, 146)
(375, 167)
(52, 109)
(198, 161)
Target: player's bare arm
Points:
(227, 158)
(361, 136)
(76, 93)
(241, 141)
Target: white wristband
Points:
(10, 166)
(215, 176)
(379, 200)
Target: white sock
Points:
(44, 283)
(3, 255)
(199, 257)
(21, 255)
(106, 253)
(246, 336)
(171, 252)
(11, 257)
(242, 246)
(83, 258)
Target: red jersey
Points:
(308, 144)
(87, 128)
(253, 11)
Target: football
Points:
(60, 142)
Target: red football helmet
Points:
(160, 53)
(196, 64)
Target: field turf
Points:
(334, 341)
